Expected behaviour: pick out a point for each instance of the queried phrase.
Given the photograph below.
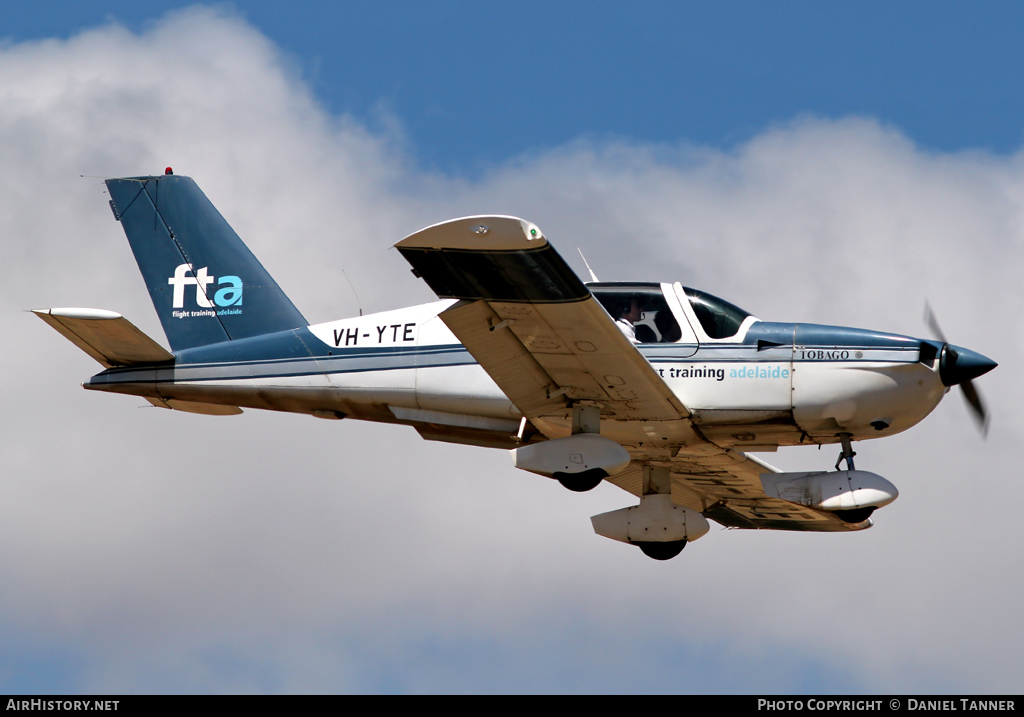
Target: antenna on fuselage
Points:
(353, 287)
(593, 276)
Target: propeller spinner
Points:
(959, 367)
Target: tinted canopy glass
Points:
(718, 317)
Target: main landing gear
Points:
(581, 482)
(657, 526)
(662, 551)
(583, 459)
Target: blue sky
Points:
(823, 162)
(476, 83)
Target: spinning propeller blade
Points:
(933, 323)
(959, 366)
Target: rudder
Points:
(205, 284)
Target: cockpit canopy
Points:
(657, 324)
(717, 317)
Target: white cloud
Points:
(151, 550)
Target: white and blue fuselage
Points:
(769, 384)
(659, 388)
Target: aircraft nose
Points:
(958, 365)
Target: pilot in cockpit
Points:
(629, 314)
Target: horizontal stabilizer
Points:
(107, 336)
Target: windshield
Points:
(718, 317)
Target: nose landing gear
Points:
(852, 515)
(847, 453)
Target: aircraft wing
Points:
(725, 485)
(531, 323)
(541, 335)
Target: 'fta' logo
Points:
(230, 295)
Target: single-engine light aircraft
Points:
(655, 387)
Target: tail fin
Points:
(205, 284)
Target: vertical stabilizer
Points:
(205, 284)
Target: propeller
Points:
(959, 366)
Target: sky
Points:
(834, 163)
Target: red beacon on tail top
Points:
(168, 171)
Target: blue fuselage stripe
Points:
(360, 360)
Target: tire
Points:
(581, 482)
(662, 551)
